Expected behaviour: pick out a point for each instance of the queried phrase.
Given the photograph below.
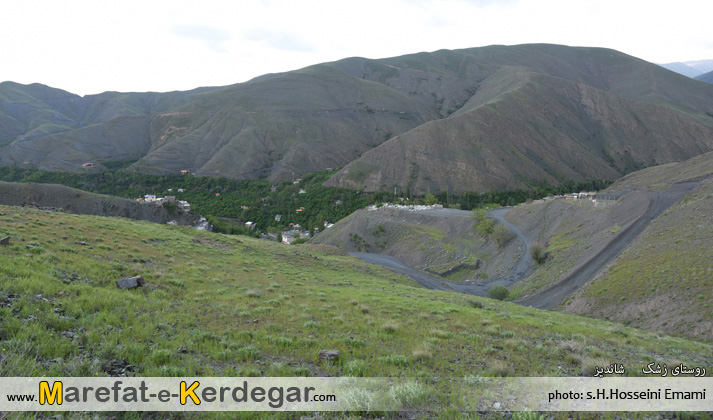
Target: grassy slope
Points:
(659, 178)
(254, 308)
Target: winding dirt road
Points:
(553, 296)
(437, 283)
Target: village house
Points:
(289, 236)
(184, 206)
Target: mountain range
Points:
(479, 119)
(692, 69)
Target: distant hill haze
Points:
(707, 77)
(477, 119)
(690, 68)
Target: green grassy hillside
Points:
(218, 305)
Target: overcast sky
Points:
(91, 46)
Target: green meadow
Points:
(218, 305)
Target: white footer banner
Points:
(355, 394)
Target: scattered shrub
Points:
(253, 293)
(313, 325)
(483, 225)
(498, 292)
(500, 368)
(395, 359)
(539, 253)
(408, 393)
(589, 365)
(356, 368)
(502, 235)
(162, 356)
(423, 352)
(475, 304)
(390, 327)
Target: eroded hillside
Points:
(447, 245)
(498, 117)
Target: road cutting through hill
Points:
(556, 294)
(660, 201)
(430, 281)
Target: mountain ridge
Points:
(706, 77)
(526, 136)
(283, 125)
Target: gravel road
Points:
(553, 296)
(428, 281)
(437, 283)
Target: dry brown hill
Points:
(523, 128)
(472, 119)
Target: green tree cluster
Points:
(231, 202)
